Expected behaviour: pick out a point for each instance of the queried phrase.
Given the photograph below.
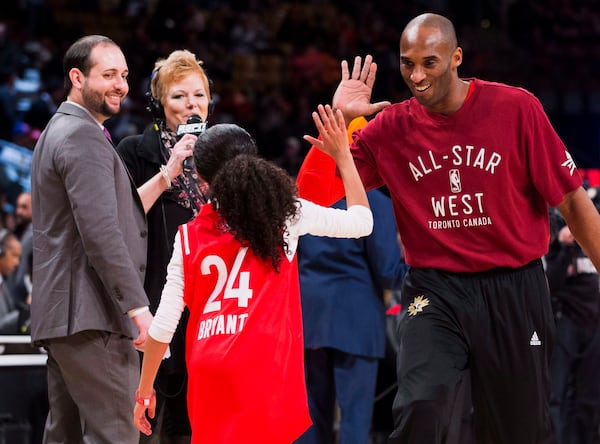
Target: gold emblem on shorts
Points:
(417, 305)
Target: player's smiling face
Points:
(428, 65)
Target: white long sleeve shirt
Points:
(355, 222)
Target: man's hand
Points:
(142, 322)
(353, 94)
(565, 236)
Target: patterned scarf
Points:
(184, 188)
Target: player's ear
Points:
(457, 57)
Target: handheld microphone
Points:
(194, 126)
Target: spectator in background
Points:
(14, 317)
(8, 113)
(9, 71)
(20, 281)
(179, 88)
(575, 387)
(23, 215)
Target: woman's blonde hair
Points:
(177, 65)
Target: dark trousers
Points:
(499, 325)
(92, 378)
(334, 375)
(575, 399)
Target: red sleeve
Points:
(317, 179)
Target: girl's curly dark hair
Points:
(218, 144)
(255, 199)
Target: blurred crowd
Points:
(272, 61)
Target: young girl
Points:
(234, 266)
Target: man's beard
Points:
(20, 227)
(94, 101)
(22, 220)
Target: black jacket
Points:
(142, 156)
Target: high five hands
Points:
(332, 132)
(353, 94)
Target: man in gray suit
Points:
(89, 255)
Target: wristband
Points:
(165, 175)
(143, 401)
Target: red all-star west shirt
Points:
(470, 190)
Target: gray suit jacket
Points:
(89, 232)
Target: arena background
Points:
(272, 61)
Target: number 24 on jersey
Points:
(225, 280)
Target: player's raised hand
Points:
(353, 94)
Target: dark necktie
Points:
(107, 134)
